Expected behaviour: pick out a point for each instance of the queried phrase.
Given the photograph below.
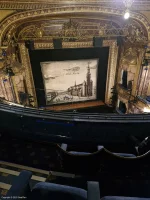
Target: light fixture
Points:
(128, 4)
(126, 14)
(146, 110)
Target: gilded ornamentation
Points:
(79, 31)
(28, 73)
(131, 62)
(72, 30)
(111, 72)
(77, 44)
(130, 56)
(18, 17)
(39, 32)
(124, 96)
(43, 45)
(25, 5)
(137, 72)
(135, 34)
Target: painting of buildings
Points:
(70, 81)
(84, 89)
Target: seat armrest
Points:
(136, 149)
(64, 146)
(99, 147)
(93, 191)
(20, 186)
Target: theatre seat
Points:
(127, 155)
(99, 147)
(64, 147)
(50, 191)
(79, 153)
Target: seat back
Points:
(51, 191)
(20, 186)
(84, 163)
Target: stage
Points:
(75, 105)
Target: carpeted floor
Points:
(28, 153)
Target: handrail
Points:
(98, 117)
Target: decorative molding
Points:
(130, 60)
(123, 93)
(135, 34)
(28, 72)
(137, 74)
(21, 5)
(70, 30)
(18, 17)
(43, 45)
(111, 72)
(77, 44)
(26, 5)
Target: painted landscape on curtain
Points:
(70, 81)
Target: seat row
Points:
(50, 191)
(89, 163)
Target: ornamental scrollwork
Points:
(71, 30)
(54, 11)
(135, 34)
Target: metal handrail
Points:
(99, 117)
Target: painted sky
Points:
(59, 75)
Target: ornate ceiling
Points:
(49, 18)
(76, 22)
(81, 21)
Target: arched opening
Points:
(124, 79)
(122, 107)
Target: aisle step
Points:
(9, 171)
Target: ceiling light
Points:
(126, 15)
(128, 4)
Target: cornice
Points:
(41, 4)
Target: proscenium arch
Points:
(10, 21)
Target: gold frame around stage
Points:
(111, 72)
